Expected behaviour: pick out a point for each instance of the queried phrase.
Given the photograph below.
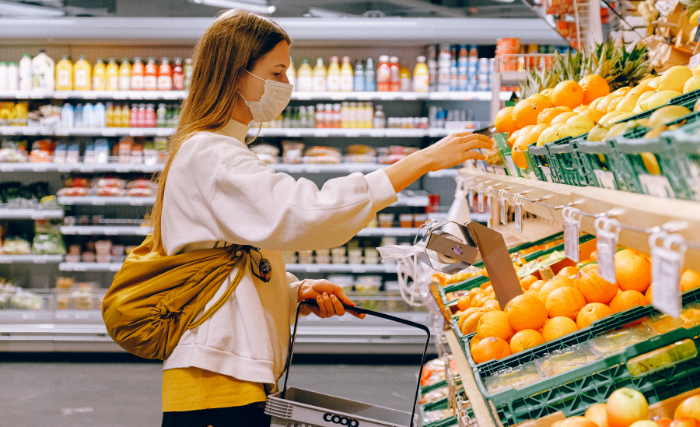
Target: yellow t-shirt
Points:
(192, 389)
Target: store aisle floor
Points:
(128, 394)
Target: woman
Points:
(214, 191)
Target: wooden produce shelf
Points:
(637, 210)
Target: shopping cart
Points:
(295, 407)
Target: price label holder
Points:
(490, 202)
(519, 199)
(667, 253)
(480, 197)
(470, 197)
(572, 230)
(504, 206)
(608, 236)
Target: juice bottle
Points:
(370, 80)
(346, 76)
(178, 75)
(125, 75)
(359, 83)
(395, 80)
(98, 75)
(4, 76)
(137, 71)
(82, 71)
(64, 74)
(13, 76)
(319, 76)
(112, 75)
(189, 70)
(304, 77)
(150, 78)
(134, 114)
(405, 78)
(421, 76)
(25, 72)
(43, 77)
(291, 73)
(109, 115)
(150, 120)
(383, 74)
(165, 75)
(333, 79)
(125, 115)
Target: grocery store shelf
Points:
(154, 95)
(638, 210)
(105, 230)
(341, 268)
(336, 168)
(102, 201)
(30, 259)
(89, 266)
(79, 167)
(394, 231)
(31, 213)
(445, 173)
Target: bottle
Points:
(395, 80)
(165, 75)
(320, 76)
(346, 76)
(405, 79)
(311, 113)
(141, 118)
(134, 114)
(98, 115)
(112, 75)
(189, 70)
(126, 119)
(117, 116)
(333, 79)
(384, 74)
(359, 83)
(67, 116)
(178, 75)
(125, 75)
(99, 72)
(78, 118)
(454, 78)
(82, 73)
(88, 116)
(13, 76)
(421, 76)
(336, 116)
(64, 74)
(320, 123)
(109, 115)
(304, 77)
(370, 80)
(379, 117)
(160, 116)
(432, 64)
(291, 73)
(4, 76)
(150, 79)
(25, 72)
(463, 59)
(43, 77)
(150, 118)
(137, 71)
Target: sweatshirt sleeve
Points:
(293, 283)
(254, 205)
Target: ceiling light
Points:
(230, 4)
(21, 9)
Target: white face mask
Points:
(274, 100)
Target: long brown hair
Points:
(232, 44)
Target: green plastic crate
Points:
(469, 284)
(505, 151)
(538, 157)
(531, 171)
(426, 389)
(686, 146)
(568, 162)
(595, 158)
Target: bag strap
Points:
(207, 314)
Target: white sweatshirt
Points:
(218, 190)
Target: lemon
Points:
(658, 99)
(666, 114)
(674, 78)
(563, 117)
(573, 129)
(610, 117)
(628, 103)
(547, 92)
(694, 18)
(580, 108)
(650, 163)
(643, 97)
(543, 100)
(654, 83)
(692, 84)
(548, 135)
(614, 103)
(581, 120)
(622, 91)
(598, 133)
(637, 110)
(616, 130)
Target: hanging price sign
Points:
(607, 237)
(667, 253)
(572, 231)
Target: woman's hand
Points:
(329, 297)
(455, 149)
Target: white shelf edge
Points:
(341, 268)
(102, 201)
(31, 214)
(89, 266)
(30, 259)
(86, 230)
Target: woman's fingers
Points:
(321, 307)
(328, 305)
(474, 155)
(338, 306)
(480, 142)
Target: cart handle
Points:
(359, 310)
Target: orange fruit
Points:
(479, 301)
(463, 302)
(648, 294)
(593, 87)
(474, 341)
(495, 324)
(468, 312)
(527, 338)
(568, 272)
(484, 272)
(567, 93)
(526, 312)
(578, 421)
(588, 267)
(536, 286)
(594, 288)
(556, 283)
(563, 117)
(594, 256)
(535, 132)
(640, 89)
(597, 414)
(593, 113)
(492, 305)
(472, 322)
(490, 348)
(534, 294)
(592, 312)
(624, 254)
(690, 279)
(525, 112)
(558, 327)
(548, 114)
(558, 423)
(581, 108)
(627, 299)
(545, 101)
(518, 153)
(474, 292)
(566, 302)
(633, 273)
(504, 121)
(526, 281)
(513, 137)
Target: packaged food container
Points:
(323, 259)
(88, 257)
(368, 285)
(117, 250)
(103, 258)
(386, 220)
(339, 259)
(355, 260)
(419, 219)
(69, 221)
(65, 282)
(324, 252)
(355, 252)
(617, 341)
(662, 357)
(371, 256)
(344, 281)
(290, 257)
(566, 359)
(406, 220)
(306, 257)
(72, 258)
(516, 378)
(103, 247)
(338, 251)
(74, 250)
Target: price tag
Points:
(172, 95)
(666, 264)
(504, 207)
(511, 166)
(606, 179)
(386, 96)
(480, 199)
(338, 97)
(40, 168)
(364, 96)
(313, 169)
(470, 197)
(135, 95)
(608, 235)
(313, 270)
(359, 270)
(547, 173)
(656, 186)
(60, 95)
(108, 132)
(518, 212)
(407, 96)
(695, 59)
(494, 209)
(572, 231)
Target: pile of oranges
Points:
(547, 310)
